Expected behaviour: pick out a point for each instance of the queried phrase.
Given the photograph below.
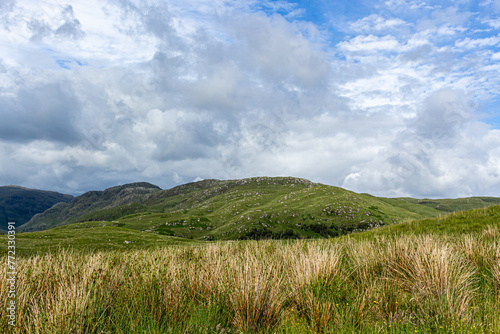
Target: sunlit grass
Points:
(406, 284)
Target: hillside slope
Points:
(485, 221)
(113, 202)
(427, 206)
(284, 207)
(18, 204)
(254, 208)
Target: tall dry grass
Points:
(442, 283)
(495, 268)
(311, 270)
(327, 286)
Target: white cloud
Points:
(440, 149)
(493, 5)
(210, 89)
(469, 43)
(376, 22)
(410, 4)
(494, 23)
(370, 43)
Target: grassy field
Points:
(89, 237)
(457, 223)
(431, 276)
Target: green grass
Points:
(88, 237)
(429, 207)
(434, 275)
(457, 223)
(409, 284)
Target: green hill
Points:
(18, 204)
(421, 270)
(254, 208)
(483, 221)
(428, 206)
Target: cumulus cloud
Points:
(65, 26)
(44, 111)
(469, 43)
(370, 43)
(377, 22)
(433, 154)
(279, 52)
(174, 92)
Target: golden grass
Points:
(491, 232)
(440, 281)
(323, 286)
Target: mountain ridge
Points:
(19, 204)
(90, 201)
(258, 207)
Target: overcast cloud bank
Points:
(396, 99)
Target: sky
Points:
(388, 97)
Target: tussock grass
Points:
(403, 284)
(255, 289)
(440, 281)
(491, 232)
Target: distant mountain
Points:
(19, 205)
(254, 208)
(94, 205)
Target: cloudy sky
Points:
(393, 98)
